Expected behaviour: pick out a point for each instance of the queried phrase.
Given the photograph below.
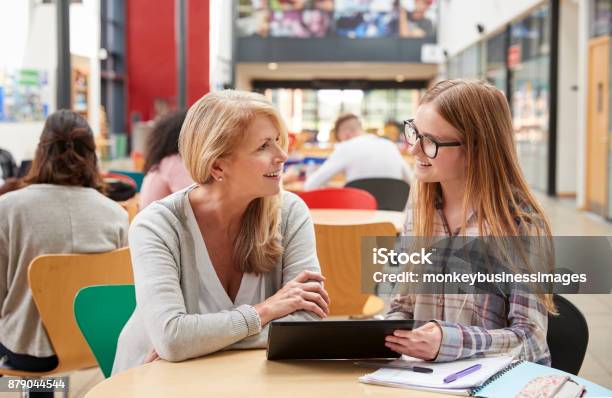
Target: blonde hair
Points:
(495, 187)
(213, 127)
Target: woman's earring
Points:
(220, 179)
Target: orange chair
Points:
(341, 251)
(339, 198)
(54, 280)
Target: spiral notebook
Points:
(510, 381)
(499, 377)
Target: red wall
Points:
(198, 68)
(151, 53)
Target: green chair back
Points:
(137, 176)
(101, 312)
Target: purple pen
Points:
(461, 373)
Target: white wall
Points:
(221, 43)
(458, 19)
(31, 27)
(34, 43)
(567, 122)
(20, 138)
(14, 16)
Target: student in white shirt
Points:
(359, 155)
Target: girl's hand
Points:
(305, 292)
(423, 342)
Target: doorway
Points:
(597, 125)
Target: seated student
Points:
(8, 172)
(8, 167)
(60, 210)
(216, 262)
(359, 155)
(470, 184)
(164, 169)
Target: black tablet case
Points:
(332, 339)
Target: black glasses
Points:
(429, 145)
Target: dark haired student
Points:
(164, 169)
(8, 172)
(60, 210)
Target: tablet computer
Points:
(332, 339)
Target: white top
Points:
(182, 310)
(365, 156)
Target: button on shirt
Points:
(365, 156)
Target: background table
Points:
(298, 186)
(347, 217)
(246, 374)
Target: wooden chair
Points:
(131, 206)
(339, 253)
(55, 280)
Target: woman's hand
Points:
(423, 342)
(305, 292)
(151, 356)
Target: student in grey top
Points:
(60, 210)
(216, 262)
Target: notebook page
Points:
(465, 392)
(490, 366)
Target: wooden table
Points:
(246, 374)
(298, 186)
(346, 217)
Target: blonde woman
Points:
(470, 184)
(216, 262)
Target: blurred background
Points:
(123, 64)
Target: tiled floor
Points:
(597, 310)
(565, 220)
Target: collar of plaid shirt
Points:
(471, 229)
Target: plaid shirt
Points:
(478, 324)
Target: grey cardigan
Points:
(43, 219)
(182, 310)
